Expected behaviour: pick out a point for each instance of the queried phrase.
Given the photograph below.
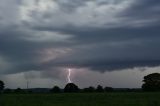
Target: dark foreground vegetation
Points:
(82, 99)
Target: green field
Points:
(81, 99)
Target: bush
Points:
(56, 89)
(89, 89)
(108, 89)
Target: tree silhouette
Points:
(99, 88)
(71, 87)
(1, 85)
(18, 90)
(108, 89)
(89, 89)
(56, 89)
(151, 82)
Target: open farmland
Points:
(81, 99)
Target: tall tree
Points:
(71, 87)
(99, 88)
(1, 85)
(151, 82)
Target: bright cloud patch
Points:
(91, 13)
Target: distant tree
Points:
(108, 89)
(1, 85)
(99, 88)
(89, 89)
(18, 90)
(71, 87)
(151, 82)
(56, 89)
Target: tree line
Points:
(151, 82)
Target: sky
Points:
(109, 42)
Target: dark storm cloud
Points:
(20, 53)
(146, 7)
(132, 41)
(147, 11)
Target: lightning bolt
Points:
(69, 75)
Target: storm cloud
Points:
(96, 34)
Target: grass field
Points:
(81, 99)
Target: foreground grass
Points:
(81, 99)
